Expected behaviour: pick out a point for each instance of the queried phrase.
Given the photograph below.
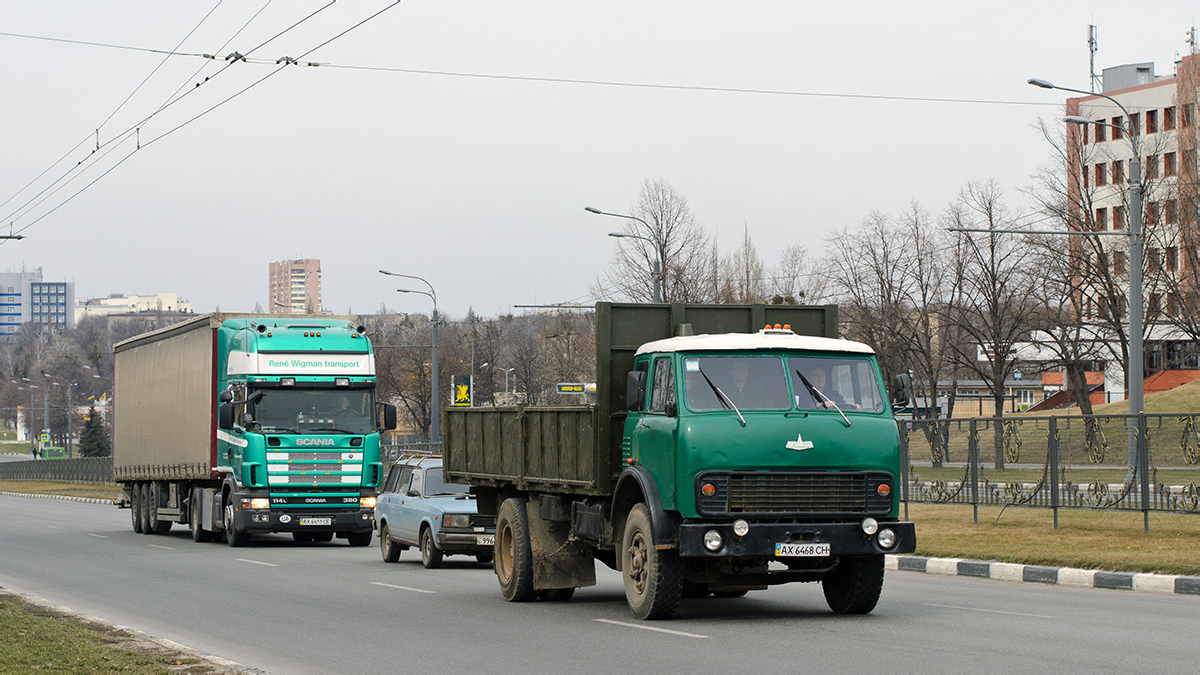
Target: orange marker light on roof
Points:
(787, 326)
(777, 326)
(767, 327)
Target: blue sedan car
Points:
(417, 508)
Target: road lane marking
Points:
(652, 628)
(990, 611)
(165, 548)
(402, 588)
(256, 562)
(98, 536)
(53, 527)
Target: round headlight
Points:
(886, 538)
(869, 526)
(741, 527)
(713, 540)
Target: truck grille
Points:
(808, 493)
(293, 455)
(293, 466)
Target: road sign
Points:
(576, 387)
(45, 437)
(462, 390)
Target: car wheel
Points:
(431, 555)
(389, 549)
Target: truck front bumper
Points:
(264, 521)
(760, 542)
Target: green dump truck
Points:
(238, 424)
(720, 457)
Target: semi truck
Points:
(241, 424)
(731, 447)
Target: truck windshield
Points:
(750, 382)
(298, 411)
(848, 383)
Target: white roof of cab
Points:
(773, 339)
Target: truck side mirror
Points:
(635, 390)
(225, 396)
(389, 417)
(901, 390)
(225, 416)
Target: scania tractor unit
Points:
(241, 424)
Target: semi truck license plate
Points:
(485, 540)
(801, 550)
(320, 521)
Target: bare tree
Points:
(742, 274)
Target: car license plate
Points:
(486, 540)
(316, 521)
(801, 550)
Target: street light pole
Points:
(1135, 375)
(656, 268)
(435, 417)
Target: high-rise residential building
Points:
(1162, 117)
(25, 297)
(295, 287)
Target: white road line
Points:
(98, 536)
(53, 527)
(165, 548)
(989, 611)
(255, 562)
(652, 628)
(402, 588)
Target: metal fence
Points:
(1119, 462)
(77, 470)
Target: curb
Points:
(65, 498)
(1039, 574)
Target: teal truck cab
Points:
(728, 462)
(242, 424)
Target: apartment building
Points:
(295, 286)
(26, 297)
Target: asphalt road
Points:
(329, 608)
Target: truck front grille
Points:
(793, 493)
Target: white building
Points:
(131, 304)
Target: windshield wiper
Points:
(334, 430)
(725, 400)
(822, 397)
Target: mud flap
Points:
(558, 562)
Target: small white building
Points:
(131, 304)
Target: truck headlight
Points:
(457, 520)
(869, 526)
(366, 502)
(713, 540)
(260, 503)
(741, 528)
(886, 538)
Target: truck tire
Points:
(853, 586)
(144, 508)
(359, 538)
(390, 549)
(156, 525)
(233, 536)
(135, 506)
(653, 578)
(431, 555)
(199, 534)
(513, 556)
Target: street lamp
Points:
(506, 372)
(1136, 357)
(656, 269)
(435, 430)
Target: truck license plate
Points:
(316, 521)
(801, 550)
(486, 540)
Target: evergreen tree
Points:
(94, 440)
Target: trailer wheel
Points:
(555, 594)
(156, 525)
(513, 555)
(431, 555)
(853, 586)
(653, 578)
(135, 506)
(199, 534)
(359, 538)
(144, 508)
(233, 536)
(389, 548)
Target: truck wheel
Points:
(359, 538)
(513, 556)
(653, 578)
(555, 594)
(156, 525)
(135, 506)
(853, 586)
(233, 536)
(199, 534)
(389, 548)
(431, 555)
(144, 508)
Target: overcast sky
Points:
(478, 183)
